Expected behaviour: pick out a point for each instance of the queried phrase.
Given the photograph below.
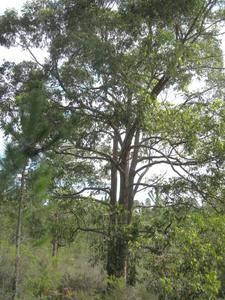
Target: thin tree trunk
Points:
(130, 260)
(55, 240)
(54, 247)
(111, 251)
(113, 193)
(19, 236)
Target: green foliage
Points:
(188, 266)
(105, 80)
(40, 181)
(35, 123)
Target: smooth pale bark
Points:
(113, 191)
(111, 252)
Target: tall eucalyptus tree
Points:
(109, 67)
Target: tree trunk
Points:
(117, 252)
(55, 239)
(54, 247)
(119, 262)
(113, 251)
(113, 193)
(18, 236)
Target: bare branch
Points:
(100, 189)
(99, 231)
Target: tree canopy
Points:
(128, 91)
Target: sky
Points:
(10, 4)
(14, 54)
